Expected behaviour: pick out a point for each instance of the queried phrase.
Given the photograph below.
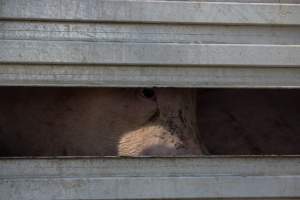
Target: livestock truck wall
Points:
(150, 43)
(123, 43)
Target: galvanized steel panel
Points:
(150, 33)
(152, 11)
(150, 43)
(147, 76)
(58, 52)
(149, 178)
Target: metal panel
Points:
(152, 11)
(150, 33)
(147, 76)
(145, 178)
(60, 52)
(143, 43)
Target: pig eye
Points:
(148, 93)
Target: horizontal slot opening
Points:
(57, 121)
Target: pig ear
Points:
(148, 93)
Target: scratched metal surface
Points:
(230, 177)
(232, 44)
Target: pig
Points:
(41, 121)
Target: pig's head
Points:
(169, 130)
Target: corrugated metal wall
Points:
(150, 43)
(137, 43)
(151, 178)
